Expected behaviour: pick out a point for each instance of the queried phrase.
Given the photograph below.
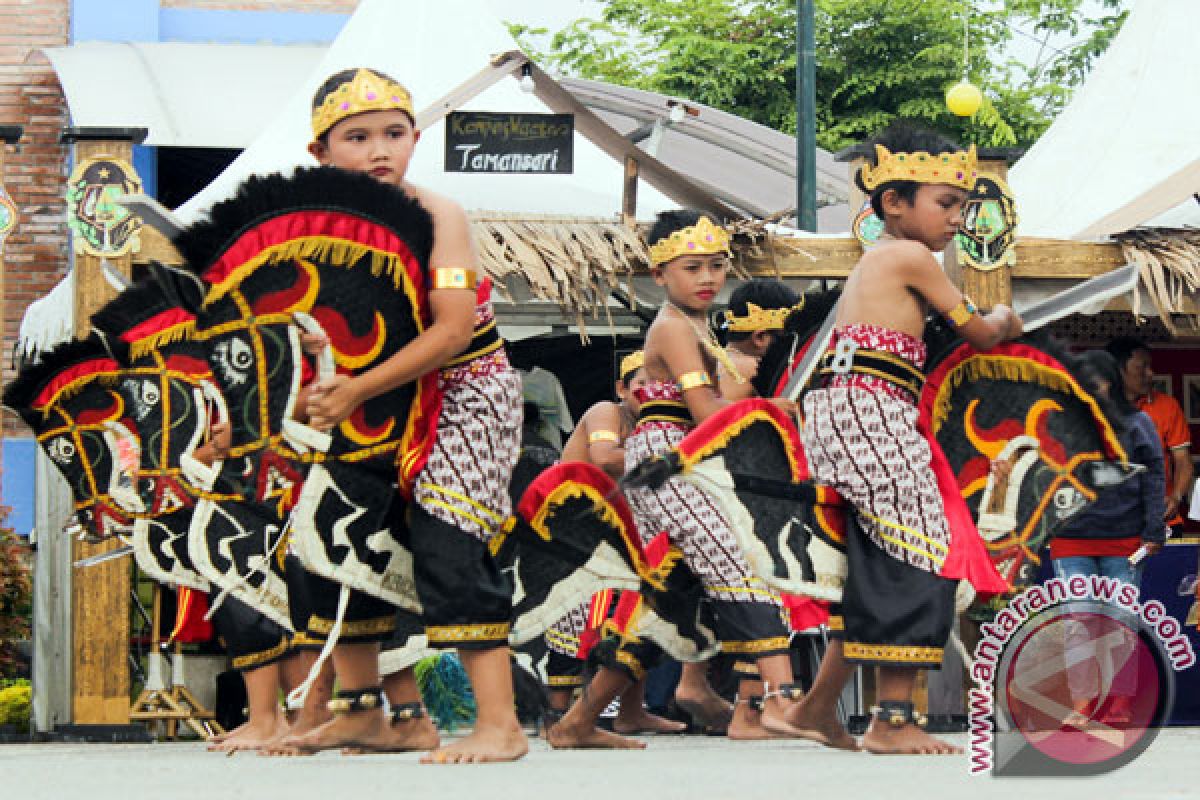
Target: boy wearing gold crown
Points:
(753, 320)
(363, 121)
(689, 257)
(861, 437)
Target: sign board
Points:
(498, 142)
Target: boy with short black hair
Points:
(861, 437)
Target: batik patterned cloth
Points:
(692, 520)
(861, 438)
(465, 480)
(563, 636)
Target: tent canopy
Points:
(1126, 150)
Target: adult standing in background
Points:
(1133, 359)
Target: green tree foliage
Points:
(876, 59)
(16, 595)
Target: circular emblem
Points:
(1084, 688)
(867, 226)
(101, 226)
(8, 216)
(989, 227)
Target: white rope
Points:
(262, 564)
(297, 697)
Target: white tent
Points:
(1126, 150)
(433, 48)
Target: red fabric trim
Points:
(804, 612)
(158, 323)
(707, 435)
(301, 224)
(190, 625)
(97, 416)
(1067, 548)
(83, 369)
(657, 549)
(423, 414)
(627, 606)
(584, 474)
(967, 558)
(188, 365)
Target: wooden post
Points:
(8, 221)
(629, 193)
(987, 288)
(100, 594)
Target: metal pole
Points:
(806, 122)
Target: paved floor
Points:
(673, 767)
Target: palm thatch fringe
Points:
(570, 261)
(1168, 260)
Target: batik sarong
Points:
(861, 438)
(749, 616)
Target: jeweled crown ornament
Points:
(703, 238)
(759, 319)
(366, 92)
(959, 168)
(632, 362)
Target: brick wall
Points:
(35, 254)
(313, 6)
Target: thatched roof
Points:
(1169, 262)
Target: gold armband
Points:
(961, 314)
(453, 278)
(603, 436)
(694, 380)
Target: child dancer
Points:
(861, 438)
(363, 121)
(689, 259)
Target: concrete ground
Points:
(672, 767)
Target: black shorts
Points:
(467, 600)
(251, 639)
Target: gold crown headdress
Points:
(632, 363)
(703, 238)
(366, 92)
(956, 169)
(759, 319)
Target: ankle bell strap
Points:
(351, 700)
(407, 711)
(898, 713)
(788, 691)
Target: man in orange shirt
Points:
(1133, 359)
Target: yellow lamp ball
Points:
(964, 99)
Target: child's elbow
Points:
(456, 341)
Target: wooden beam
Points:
(99, 594)
(833, 257)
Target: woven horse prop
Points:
(793, 531)
(573, 535)
(345, 256)
(167, 388)
(69, 399)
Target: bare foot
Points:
(404, 736)
(746, 725)
(565, 736)
(707, 709)
(217, 738)
(251, 736)
(636, 719)
(884, 738)
(774, 718)
(364, 729)
(484, 745)
(822, 727)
